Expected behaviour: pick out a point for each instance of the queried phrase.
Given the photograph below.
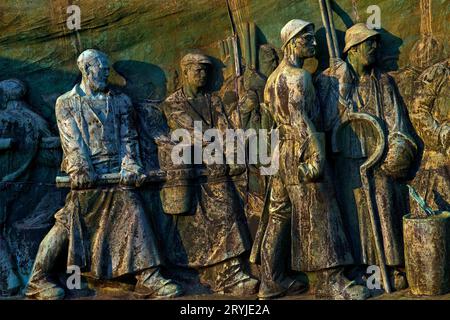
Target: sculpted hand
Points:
(399, 158)
(312, 167)
(83, 180)
(132, 179)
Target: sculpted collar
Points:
(77, 92)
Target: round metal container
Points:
(427, 254)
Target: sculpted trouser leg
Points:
(9, 282)
(50, 250)
(276, 243)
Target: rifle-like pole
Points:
(237, 61)
(332, 29)
(326, 24)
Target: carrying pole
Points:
(326, 24)
(332, 29)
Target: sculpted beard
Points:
(98, 81)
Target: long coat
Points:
(217, 229)
(318, 240)
(377, 95)
(108, 232)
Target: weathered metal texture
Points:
(215, 236)
(219, 220)
(29, 156)
(303, 214)
(430, 114)
(427, 254)
(177, 194)
(38, 46)
(102, 230)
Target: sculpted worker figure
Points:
(302, 205)
(214, 235)
(101, 229)
(430, 114)
(21, 131)
(357, 85)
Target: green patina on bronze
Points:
(388, 76)
(145, 39)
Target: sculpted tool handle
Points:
(113, 178)
(367, 182)
(332, 29)
(326, 24)
(153, 176)
(421, 202)
(369, 190)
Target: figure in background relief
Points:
(21, 140)
(430, 115)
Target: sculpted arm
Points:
(131, 166)
(304, 109)
(76, 162)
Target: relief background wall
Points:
(146, 38)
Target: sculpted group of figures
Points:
(317, 217)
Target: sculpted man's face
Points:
(366, 51)
(97, 74)
(196, 75)
(305, 43)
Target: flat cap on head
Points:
(357, 34)
(195, 58)
(293, 28)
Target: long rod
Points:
(378, 244)
(237, 62)
(333, 29)
(327, 29)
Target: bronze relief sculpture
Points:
(221, 233)
(102, 229)
(363, 173)
(430, 113)
(356, 85)
(21, 134)
(301, 193)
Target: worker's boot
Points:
(398, 279)
(44, 288)
(333, 285)
(151, 283)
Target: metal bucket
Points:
(427, 254)
(178, 191)
(177, 195)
